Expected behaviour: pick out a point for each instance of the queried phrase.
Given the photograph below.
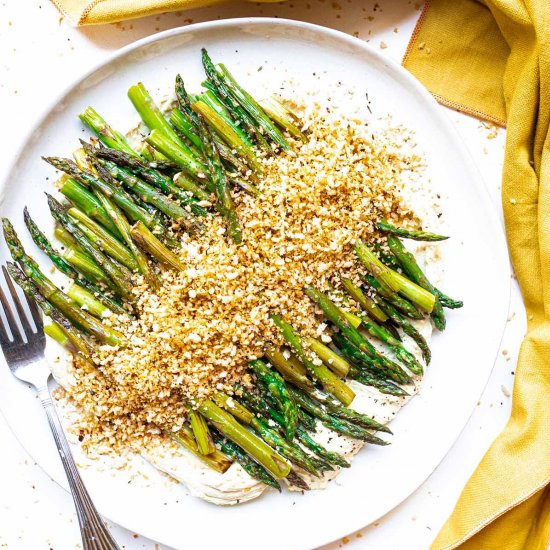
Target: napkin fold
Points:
(492, 60)
(97, 12)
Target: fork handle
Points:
(95, 535)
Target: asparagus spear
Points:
(185, 183)
(162, 201)
(82, 262)
(106, 134)
(252, 468)
(409, 265)
(233, 407)
(117, 278)
(260, 406)
(227, 132)
(398, 301)
(332, 422)
(146, 240)
(124, 228)
(149, 154)
(448, 302)
(115, 163)
(250, 105)
(42, 242)
(86, 201)
(329, 381)
(54, 331)
(85, 265)
(366, 303)
(407, 234)
(66, 268)
(336, 409)
(180, 121)
(371, 359)
(294, 479)
(386, 256)
(411, 268)
(218, 98)
(213, 161)
(264, 408)
(64, 237)
(87, 301)
(53, 294)
(394, 280)
(407, 328)
(105, 240)
(335, 315)
(152, 116)
(382, 385)
(233, 115)
(354, 320)
(74, 337)
(255, 447)
(205, 443)
(382, 334)
(146, 193)
(336, 363)
(119, 197)
(290, 369)
(175, 153)
(215, 460)
(282, 116)
(331, 457)
(147, 213)
(307, 420)
(217, 85)
(164, 166)
(287, 449)
(278, 390)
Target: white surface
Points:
(415, 522)
(305, 59)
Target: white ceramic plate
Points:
(301, 56)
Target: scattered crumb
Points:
(383, 45)
(505, 390)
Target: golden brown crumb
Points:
(196, 334)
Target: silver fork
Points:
(27, 362)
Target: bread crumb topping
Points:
(196, 334)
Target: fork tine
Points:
(16, 334)
(15, 297)
(4, 338)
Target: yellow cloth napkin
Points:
(97, 12)
(494, 61)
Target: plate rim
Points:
(393, 66)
